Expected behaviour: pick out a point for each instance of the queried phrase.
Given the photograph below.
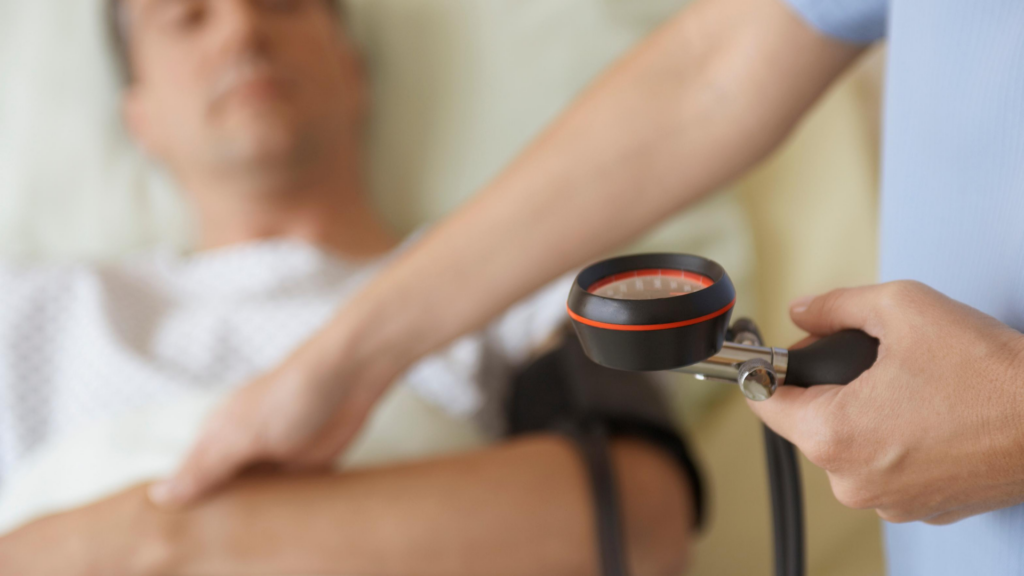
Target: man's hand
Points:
(122, 536)
(935, 430)
(300, 416)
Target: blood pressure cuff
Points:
(565, 392)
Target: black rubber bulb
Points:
(836, 359)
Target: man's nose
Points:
(244, 27)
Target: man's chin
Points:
(265, 145)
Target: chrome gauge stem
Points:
(758, 370)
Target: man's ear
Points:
(136, 120)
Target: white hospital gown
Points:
(84, 343)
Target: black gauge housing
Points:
(658, 334)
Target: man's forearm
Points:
(518, 509)
(701, 101)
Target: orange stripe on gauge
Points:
(649, 327)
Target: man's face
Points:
(239, 84)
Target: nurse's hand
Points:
(934, 431)
(300, 416)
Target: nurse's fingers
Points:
(840, 309)
(219, 455)
(951, 516)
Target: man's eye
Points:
(184, 16)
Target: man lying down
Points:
(257, 108)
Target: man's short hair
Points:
(117, 27)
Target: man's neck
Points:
(329, 209)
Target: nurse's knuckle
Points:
(855, 495)
(833, 302)
(944, 519)
(829, 448)
(897, 515)
(900, 295)
(276, 446)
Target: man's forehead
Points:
(137, 6)
(132, 8)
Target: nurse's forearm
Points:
(705, 98)
(519, 509)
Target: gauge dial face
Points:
(654, 284)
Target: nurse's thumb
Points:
(835, 311)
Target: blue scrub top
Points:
(952, 207)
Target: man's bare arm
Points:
(519, 509)
(701, 101)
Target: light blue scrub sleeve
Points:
(853, 21)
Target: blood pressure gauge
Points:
(654, 312)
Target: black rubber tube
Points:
(787, 504)
(784, 486)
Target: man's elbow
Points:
(658, 509)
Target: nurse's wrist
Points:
(1002, 366)
(361, 345)
(1016, 376)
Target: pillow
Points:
(71, 184)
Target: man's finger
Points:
(214, 460)
(837, 310)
